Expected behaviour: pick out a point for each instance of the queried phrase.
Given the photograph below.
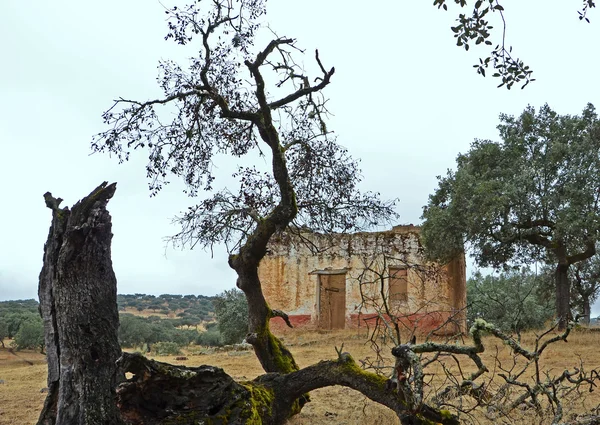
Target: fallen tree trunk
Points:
(163, 394)
(78, 305)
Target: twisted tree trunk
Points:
(164, 394)
(78, 304)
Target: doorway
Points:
(332, 301)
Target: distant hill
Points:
(18, 306)
(183, 306)
(192, 308)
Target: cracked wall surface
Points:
(294, 277)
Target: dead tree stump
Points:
(161, 394)
(78, 304)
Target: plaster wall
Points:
(290, 274)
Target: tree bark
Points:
(563, 295)
(161, 394)
(78, 305)
(587, 310)
(269, 350)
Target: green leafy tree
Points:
(210, 338)
(3, 331)
(231, 308)
(585, 277)
(513, 301)
(16, 318)
(30, 335)
(133, 331)
(532, 197)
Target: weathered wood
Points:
(162, 394)
(78, 305)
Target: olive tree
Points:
(30, 335)
(231, 309)
(3, 331)
(531, 197)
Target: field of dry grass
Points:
(21, 400)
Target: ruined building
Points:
(342, 280)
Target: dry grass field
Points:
(21, 400)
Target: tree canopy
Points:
(231, 309)
(531, 197)
(212, 109)
(514, 300)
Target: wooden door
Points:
(332, 297)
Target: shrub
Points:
(210, 325)
(210, 338)
(166, 349)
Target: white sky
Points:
(406, 101)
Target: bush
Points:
(30, 335)
(210, 338)
(231, 308)
(166, 349)
(211, 325)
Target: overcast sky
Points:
(405, 100)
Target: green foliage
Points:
(196, 308)
(13, 313)
(3, 331)
(137, 331)
(585, 277)
(513, 301)
(209, 338)
(231, 309)
(475, 29)
(211, 325)
(532, 196)
(30, 335)
(166, 349)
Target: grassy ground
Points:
(24, 375)
(21, 400)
